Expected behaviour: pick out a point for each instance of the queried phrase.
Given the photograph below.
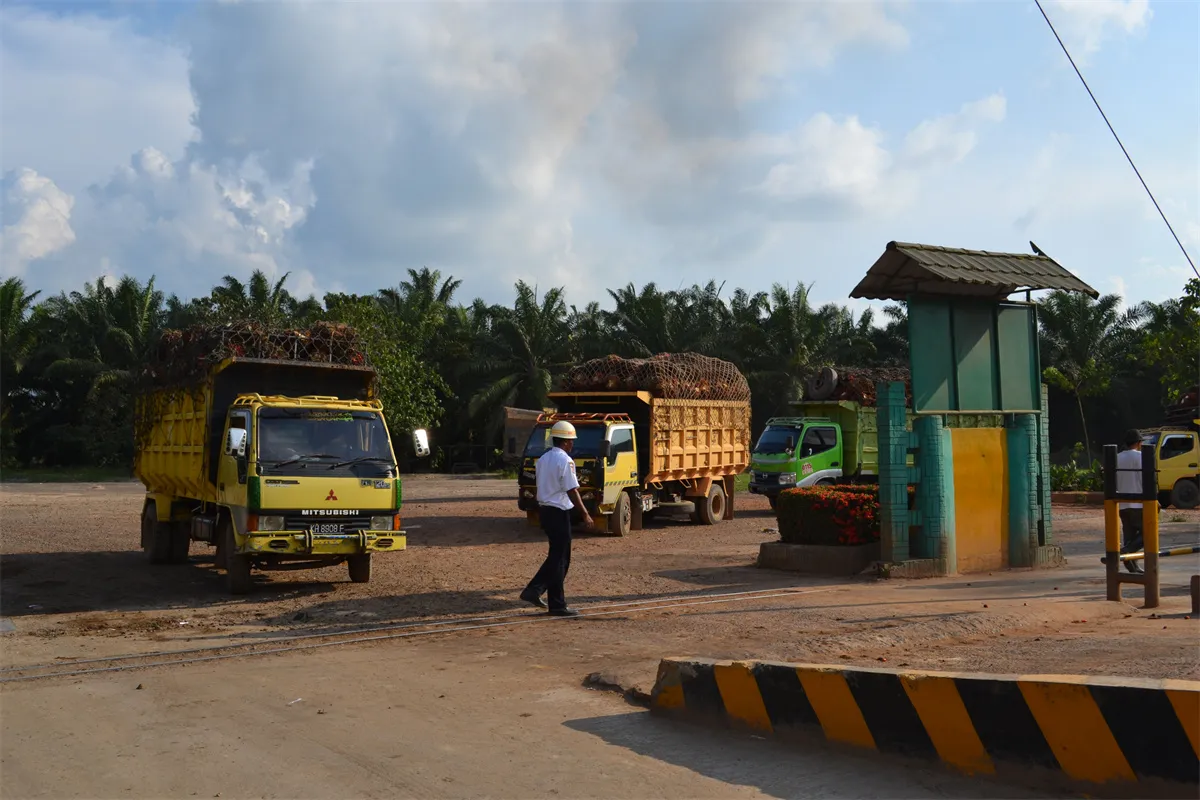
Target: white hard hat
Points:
(563, 430)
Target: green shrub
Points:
(1071, 477)
(831, 515)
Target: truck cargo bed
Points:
(678, 439)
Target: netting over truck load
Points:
(183, 358)
(676, 376)
(854, 383)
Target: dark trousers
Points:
(1131, 534)
(1131, 530)
(557, 525)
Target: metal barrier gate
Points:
(1148, 497)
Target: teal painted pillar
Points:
(1024, 513)
(1045, 535)
(893, 472)
(935, 494)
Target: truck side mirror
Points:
(606, 451)
(235, 442)
(791, 445)
(421, 442)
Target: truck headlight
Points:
(270, 523)
(381, 523)
(787, 477)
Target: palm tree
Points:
(651, 321)
(1083, 342)
(259, 299)
(18, 337)
(590, 335)
(891, 341)
(423, 304)
(16, 332)
(527, 347)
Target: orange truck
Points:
(637, 453)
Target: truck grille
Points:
(770, 478)
(299, 522)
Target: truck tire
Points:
(1186, 494)
(711, 509)
(774, 501)
(156, 536)
(621, 519)
(237, 565)
(360, 567)
(822, 385)
(181, 541)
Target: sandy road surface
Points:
(444, 716)
(402, 722)
(73, 587)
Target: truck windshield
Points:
(774, 440)
(587, 445)
(303, 436)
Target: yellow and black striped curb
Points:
(1095, 730)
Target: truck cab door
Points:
(620, 468)
(819, 456)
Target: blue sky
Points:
(591, 145)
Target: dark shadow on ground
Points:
(76, 582)
(811, 768)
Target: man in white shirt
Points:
(557, 494)
(1129, 481)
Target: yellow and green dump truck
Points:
(637, 453)
(270, 446)
(1176, 446)
(669, 431)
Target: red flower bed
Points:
(831, 515)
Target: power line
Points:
(1118, 138)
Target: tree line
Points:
(69, 363)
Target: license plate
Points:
(325, 528)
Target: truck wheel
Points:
(237, 565)
(621, 519)
(181, 541)
(711, 509)
(773, 500)
(1186, 494)
(360, 567)
(156, 536)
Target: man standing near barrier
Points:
(1129, 480)
(557, 494)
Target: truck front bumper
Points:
(769, 489)
(306, 543)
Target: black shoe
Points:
(563, 612)
(1133, 567)
(530, 597)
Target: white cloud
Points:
(82, 92)
(830, 159)
(576, 145)
(42, 226)
(949, 138)
(1088, 23)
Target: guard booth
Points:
(982, 494)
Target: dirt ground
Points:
(73, 586)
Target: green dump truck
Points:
(830, 441)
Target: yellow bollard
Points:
(1150, 548)
(1112, 549)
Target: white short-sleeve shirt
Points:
(1128, 481)
(555, 475)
